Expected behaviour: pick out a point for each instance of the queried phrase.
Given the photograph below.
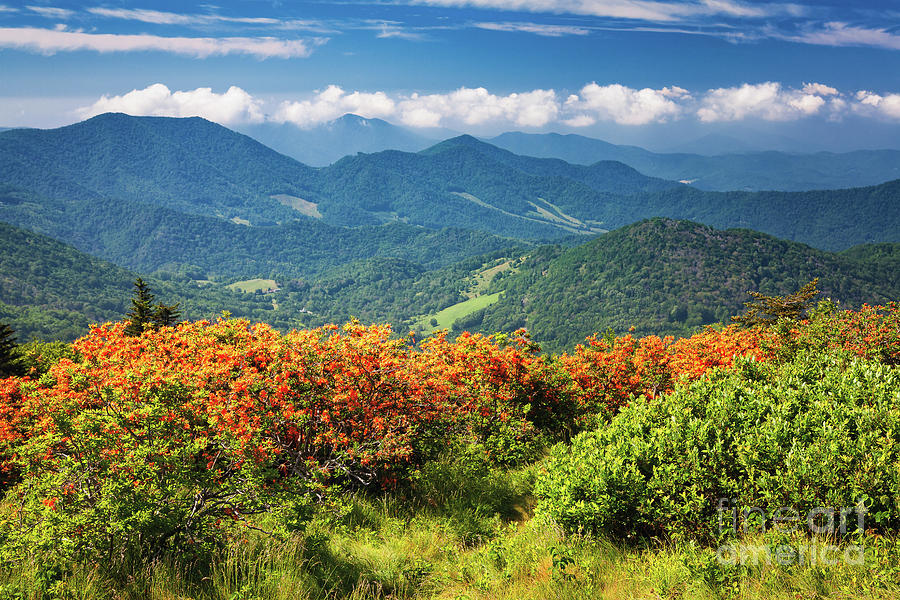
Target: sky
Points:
(803, 75)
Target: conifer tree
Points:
(767, 310)
(140, 317)
(167, 315)
(144, 314)
(9, 358)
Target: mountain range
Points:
(734, 171)
(451, 234)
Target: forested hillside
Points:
(190, 165)
(146, 238)
(666, 277)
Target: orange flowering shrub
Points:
(871, 332)
(505, 392)
(606, 371)
(169, 437)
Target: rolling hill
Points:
(666, 277)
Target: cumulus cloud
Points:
(536, 28)
(870, 103)
(331, 104)
(768, 101)
(474, 109)
(51, 41)
(624, 105)
(234, 106)
(477, 106)
(819, 89)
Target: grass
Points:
(310, 209)
(464, 530)
(446, 317)
(250, 286)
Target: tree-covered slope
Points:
(743, 171)
(191, 165)
(49, 290)
(146, 238)
(665, 277)
(483, 187)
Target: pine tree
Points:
(144, 314)
(9, 358)
(166, 315)
(767, 310)
(140, 317)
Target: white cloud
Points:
(837, 33)
(624, 105)
(4, 8)
(234, 106)
(819, 89)
(647, 10)
(477, 106)
(393, 31)
(51, 12)
(168, 18)
(477, 109)
(768, 101)
(48, 41)
(158, 17)
(333, 102)
(536, 28)
(869, 103)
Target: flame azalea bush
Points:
(172, 437)
(607, 371)
(508, 396)
(871, 332)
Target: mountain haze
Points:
(324, 144)
(750, 171)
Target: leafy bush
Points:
(822, 430)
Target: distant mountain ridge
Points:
(324, 144)
(751, 171)
(140, 167)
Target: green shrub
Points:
(820, 431)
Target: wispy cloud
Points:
(546, 30)
(169, 18)
(392, 30)
(51, 12)
(158, 17)
(49, 41)
(645, 10)
(837, 33)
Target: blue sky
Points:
(641, 71)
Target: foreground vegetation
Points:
(223, 460)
